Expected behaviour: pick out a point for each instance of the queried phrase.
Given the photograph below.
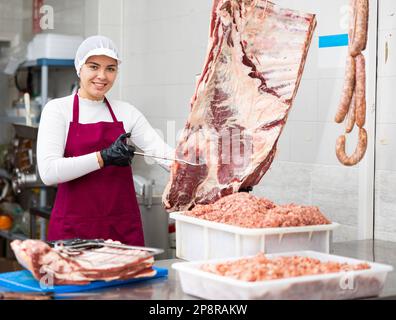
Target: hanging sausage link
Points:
(351, 117)
(347, 92)
(358, 40)
(360, 91)
(359, 152)
(352, 107)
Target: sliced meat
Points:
(82, 267)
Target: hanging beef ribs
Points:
(256, 56)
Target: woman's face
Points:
(97, 76)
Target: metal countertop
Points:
(170, 289)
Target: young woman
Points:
(82, 148)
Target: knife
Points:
(170, 159)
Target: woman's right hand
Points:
(119, 153)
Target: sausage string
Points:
(352, 107)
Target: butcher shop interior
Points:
(185, 149)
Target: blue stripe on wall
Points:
(336, 40)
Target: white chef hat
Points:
(95, 46)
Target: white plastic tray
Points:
(342, 285)
(198, 239)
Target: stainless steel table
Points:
(169, 288)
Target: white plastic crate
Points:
(53, 46)
(341, 285)
(198, 239)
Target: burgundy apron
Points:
(101, 204)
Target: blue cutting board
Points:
(23, 281)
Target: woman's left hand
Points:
(119, 153)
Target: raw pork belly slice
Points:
(253, 67)
(82, 267)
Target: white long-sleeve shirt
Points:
(56, 116)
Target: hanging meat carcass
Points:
(254, 64)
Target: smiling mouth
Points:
(99, 85)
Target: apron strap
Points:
(76, 107)
(110, 109)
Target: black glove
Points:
(119, 153)
(246, 189)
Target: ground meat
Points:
(261, 268)
(248, 211)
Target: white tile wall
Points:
(386, 147)
(155, 99)
(385, 224)
(385, 100)
(91, 17)
(277, 185)
(11, 10)
(284, 143)
(303, 142)
(386, 56)
(331, 62)
(329, 90)
(68, 17)
(334, 190)
(166, 68)
(311, 64)
(305, 107)
(387, 14)
(345, 233)
(331, 15)
(151, 10)
(110, 12)
(11, 25)
(135, 12)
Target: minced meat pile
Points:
(261, 268)
(248, 211)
